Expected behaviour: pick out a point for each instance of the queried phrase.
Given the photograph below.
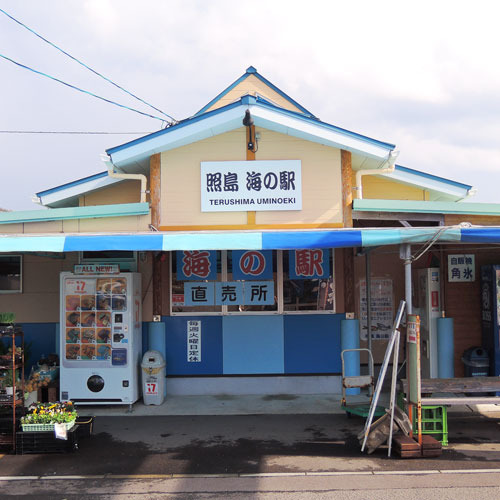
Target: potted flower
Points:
(43, 416)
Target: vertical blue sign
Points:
(196, 265)
(252, 264)
(309, 264)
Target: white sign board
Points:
(234, 186)
(461, 268)
(382, 309)
(194, 341)
(97, 269)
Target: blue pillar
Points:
(157, 340)
(445, 348)
(349, 339)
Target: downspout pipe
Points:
(387, 168)
(116, 175)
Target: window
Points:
(194, 275)
(252, 282)
(10, 274)
(308, 283)
(256, 272)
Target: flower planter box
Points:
(46, 427)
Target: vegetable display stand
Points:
(12, 366)
(46, 442)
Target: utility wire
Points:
(72, 132)
(81, 90)
(85, 66)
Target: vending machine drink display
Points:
(101, 337)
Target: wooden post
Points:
(155, 197)
(346, 166)
(251, 215)
(155, 189)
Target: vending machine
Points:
(101, 336)
(490, 315)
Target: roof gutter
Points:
(387, 168)
(115, 175)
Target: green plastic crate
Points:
(434, 422)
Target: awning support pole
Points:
(405, 254)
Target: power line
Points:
(81, 90)
(71, 132)
(85, 66)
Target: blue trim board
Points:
(72, 183)
(480, 235)
(312, 343)
(253, 345)
(289, 240)
(114, 242)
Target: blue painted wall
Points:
(176, 346)
(312, 343)
(252, 344)
(242, 345)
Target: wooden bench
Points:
(467, 385)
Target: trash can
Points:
(153, 378)
(476, 362)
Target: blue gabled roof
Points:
(252, 71)
(248, 100)
(72, 183)
(433, 177)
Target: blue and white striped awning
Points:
(245, 240)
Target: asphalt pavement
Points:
(236, 445)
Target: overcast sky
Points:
(422, 75)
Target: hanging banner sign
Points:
(252, 264)
(196, 265)
(194, 341)
(234, 186)
(309, 264)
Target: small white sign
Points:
(194, 341)
(461, 268)
(235, 186)
(80, 287)
(151, 388)
(97, 269)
